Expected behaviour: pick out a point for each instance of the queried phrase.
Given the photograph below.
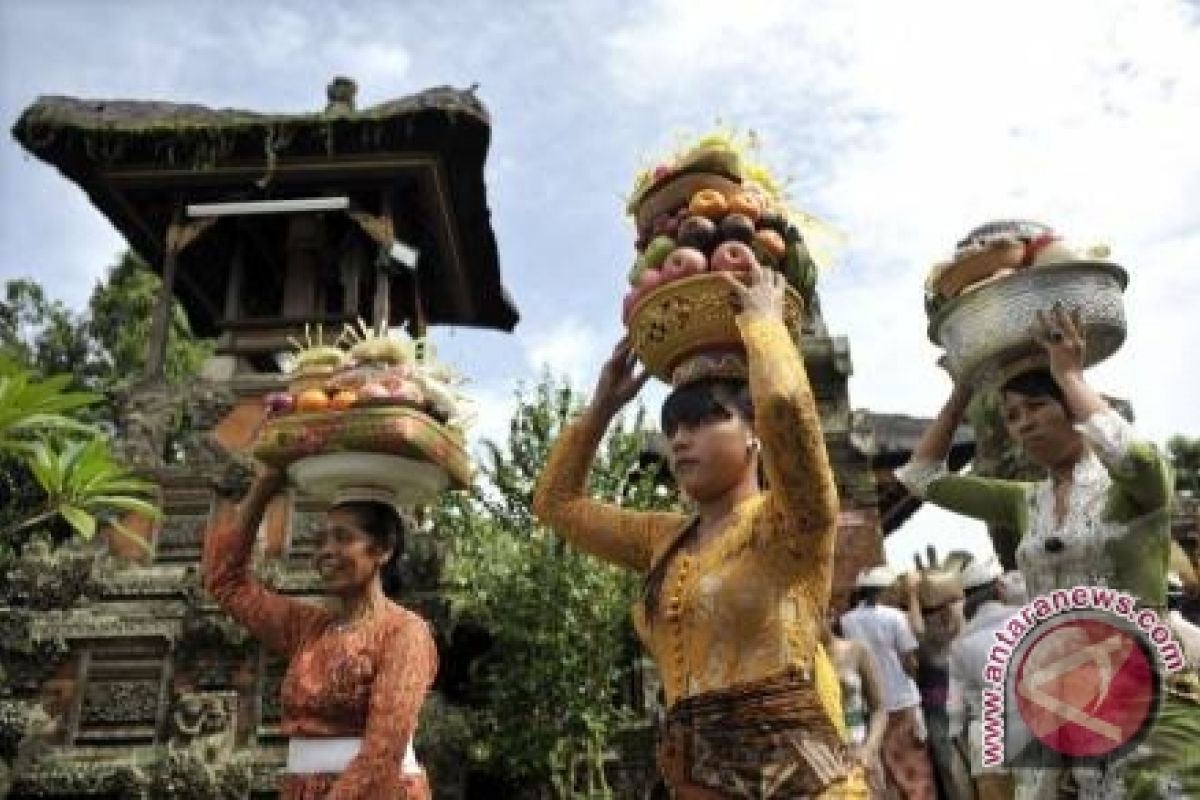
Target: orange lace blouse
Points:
(368, 680)
(748, 603)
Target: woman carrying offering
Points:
(357, 675)
(735, 596)
(1101, 518)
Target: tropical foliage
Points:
(552, 691)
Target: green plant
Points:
(550, 691)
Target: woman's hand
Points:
(619, 381)
(762, 294)
(1060, 333)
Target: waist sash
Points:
(765, 738)
(332, 756)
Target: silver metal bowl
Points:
(986, 330)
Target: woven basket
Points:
(393, 431)
(689, 316)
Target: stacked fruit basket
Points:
(381, 412)
(706, 211)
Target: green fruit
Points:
(657, 251)
(799, 269)
(635, 272)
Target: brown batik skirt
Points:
(769, 738)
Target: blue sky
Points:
(903, 124)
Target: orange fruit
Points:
(772, 242)
(343, 400)
(746, 203)
(312, 400)
(708, 203)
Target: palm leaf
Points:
(83, 522)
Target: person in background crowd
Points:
(886, 632)
(1187, 634)
(986, 613)
(862, 703)
(935, 597)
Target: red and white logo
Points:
(1086, 687)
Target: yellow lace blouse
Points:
(749, 602)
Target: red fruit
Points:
(661, 171)
(373, 391)
(631, 299)
(279, 403)
(650, 279)
(733, 257)
(682, 262)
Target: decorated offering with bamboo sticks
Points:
(371, 410)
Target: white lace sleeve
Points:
(917, 475)
(1110, 436)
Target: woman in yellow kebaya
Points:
(735, 594)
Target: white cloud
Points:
(907, 124)
(569, 348)
(942, 529)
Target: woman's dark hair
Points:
(704, 400)
(1035, 383)
(383, 523)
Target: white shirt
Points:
(885, 632)
(968, 656)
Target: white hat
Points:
(981, 572)
(1012, 588)
(880, 577)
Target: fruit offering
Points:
(377, 371)
(711, 209)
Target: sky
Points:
(902, 124)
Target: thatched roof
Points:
(136, 159)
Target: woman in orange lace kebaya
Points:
(356, 675)
(735, 595)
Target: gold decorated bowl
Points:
(689, 316)
(388, 431)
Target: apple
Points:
(737, 228)
(373, 390)
(732, 257)
(657, 251)
(409, 394)
(682, 262)
(651, 278)
(627, 305)
(698, 232)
